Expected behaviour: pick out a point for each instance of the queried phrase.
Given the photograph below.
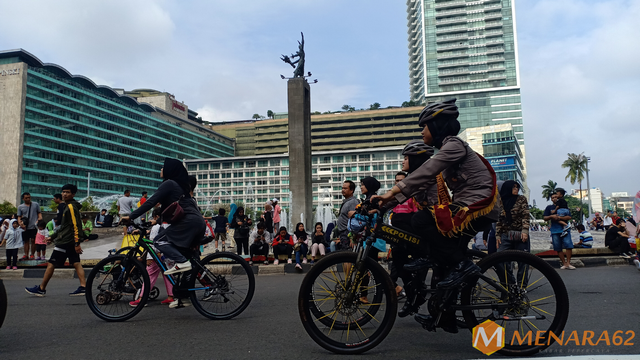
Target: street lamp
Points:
(588, 187)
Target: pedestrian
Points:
(241, 223)
(300, 245)
(220, 230)
(142, 200)
(512, 228)
(617, 239)
(282, 245)
(67, 241)
(318, 242)
(558, 241)
(52, 226)
(87, 228)
(57, 199)
(13, 240)
(260, 240)
(267, 217)
(276, 213)
(586, 239)
(41, 240)
(125, 206)
(28, 216)
(349, 204)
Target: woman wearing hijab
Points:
(512, 228)
(242, 225)
(183, 233)
(300, 244)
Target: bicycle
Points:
(224, 290)
(3, 302)
(347, 302)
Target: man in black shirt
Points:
(616, 239)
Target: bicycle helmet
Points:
(442, 120)
(418, 152)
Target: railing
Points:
(449, 3)
(452, 37)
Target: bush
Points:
(7, 208)
(87, 205)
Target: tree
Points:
(316, 113)
(577, 165)
(537, 213)
(575, 206)
(348, 108)
(270, 114)
(7, 208)
(87, 205)
(549, 189)
(256, 116)
(410, 103)
(374, 106)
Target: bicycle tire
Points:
(306, 302)
(4, 302)
(556, 286)
(104, 274)
(237, 284)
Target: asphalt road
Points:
(58, 326)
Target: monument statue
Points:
(299, 69)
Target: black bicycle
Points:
(348, 304)
(3, 302)
(220, 286)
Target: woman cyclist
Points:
(183, 232)
(448, 225)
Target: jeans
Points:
(304, 249)
(170, 251)
(514, 244)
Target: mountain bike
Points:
(347, 302)
(220, 286)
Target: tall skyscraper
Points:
(467, 50)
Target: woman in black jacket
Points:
(183, 233)
(242, 225)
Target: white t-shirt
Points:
(126, 204)
(607, 221)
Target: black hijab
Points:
(174, 170)
(508, 199)
(300, 234)
(372, 186)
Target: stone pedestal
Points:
(300, 152)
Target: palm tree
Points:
(577, 165)
(270, 114)
(549, 189)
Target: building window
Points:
(392, 167)
(314, 171)
(262, 173)
(275, 182)
(226, 165)
(285, 172)
(263, 163)
(354, 158)
(215, 176)
(314, 160)
(274, 173)
(250, 174)
(203, 166)
(238, 165)
(237, 183)
(202, 176)
(285, 182)
(338, 159)
(364, 157)
(237, 192)
(215, 166)
(364, 168)
(192, 167)
(325, 160)
(285, 162)
(251, 164)
(274, 162)
(237, 174)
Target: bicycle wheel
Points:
(3, 302)
(527, 296)
(226, 289)
(112, 284)
(331, 306)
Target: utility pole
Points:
(88, 182)
(589, 188)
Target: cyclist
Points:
(448, 225)
(183, 232)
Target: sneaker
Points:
(177, 304)
(289, 261)
(8, 268)
(134, 303)
(15, 268)
(563, 267)
(36, 291)
(637, 263)
(250, 262)
(217, 250)
(179, 267)
(304, 261)
(276, 262)
(312, 262)
(564, 233)
(464, 269)
(418, 264)
(24, 257)
(266, 262)
(32, 257)
(166, 301)
(80, 291)
(298, 266)
(570, 267)
(624, 256)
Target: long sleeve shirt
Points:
(254, 236)
(519, 218)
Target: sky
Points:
(580, 79)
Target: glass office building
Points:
(69, 130)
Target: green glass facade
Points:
(72, 128)
(502, 151)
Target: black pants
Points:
(282, 249)
(259, 249)
(620, 245)
(447, 251)
(400, 252)
(12, 257)
(242, 243)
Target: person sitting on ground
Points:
(597, 222)
(617, 239)
(259, 240)
(220, 231)
(87, 227)
(41, 240)
(301, 246)
(282, 245)
(318, 242)
(586, 240)
(100, 218)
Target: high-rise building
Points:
(467, 50)
(59, 128)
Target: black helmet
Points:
(417, 147)
(446, 109)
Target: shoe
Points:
(637, 262)
(427, 321)
(564, 233)
(298, 266)
(563, 267)
(217, 250)
(166, 301)
(312, 262)
(631, 254)
(32, 257)
(276, 262)
(266, 262)
(304, 261)
(134, 303)
(24, 257)
(447, 322)
(177, 304)
(418, 264)
(179, 267)
(407, 309)
(364, 300)
(37, 257)
(250, 263)
(289, 261)
(570, 267)
(36, 291)
(15, 268)
(80, 291)
(625, 256)
(464, 269)
(8, 268)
